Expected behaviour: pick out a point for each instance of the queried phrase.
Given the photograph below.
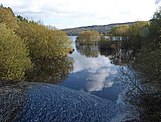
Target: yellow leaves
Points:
(22, 40)
(14, 55)
(89, 37)
(7, 16)
(120, 30)
(44, 42)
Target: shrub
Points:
(14, 55)
(7, 16)
(43, 42)
(88, 37)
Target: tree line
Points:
(24, 41)
(144, 38)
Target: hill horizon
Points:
(100, 28)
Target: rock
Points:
(28, 102)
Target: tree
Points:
(148, 61)
(14, 55)
(120, 30)
(88, 37)
(7, 16)
(20, 18)
(43, 42)
(22, 39)
(137, 33)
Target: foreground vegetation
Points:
(14, 55)
(23, 42)
(144, 39)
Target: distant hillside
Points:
(100, 28)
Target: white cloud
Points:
(70, 13)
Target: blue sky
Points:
(75, 13)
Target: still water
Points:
(93, 73)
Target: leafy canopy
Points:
(88, 37)
(7, 16)
(43, 42)
(14, 55)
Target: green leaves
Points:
(7, 16)
(22, 40)
(88, 37)
(148, 62)
(43, 42)
(14, 55)
(120, 30)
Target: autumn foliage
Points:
(88, 37)
(22, 41)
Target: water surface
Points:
(93, 73)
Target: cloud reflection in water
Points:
(100, 80)
(100, 69)
(90, 64)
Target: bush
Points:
(148, 63)
(7, 16)
(88, 37)
(43, 42)
(14, 55)
(121, 30)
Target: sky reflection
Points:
(99, 80)
(95, 75)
